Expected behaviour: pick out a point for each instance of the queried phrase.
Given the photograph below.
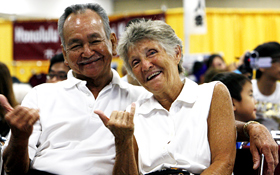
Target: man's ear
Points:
(113, 39)
(64, 55)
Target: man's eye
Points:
(95, 42)
(73, 47)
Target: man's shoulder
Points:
(133, 90)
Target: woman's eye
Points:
(134, 63)
(151, 52)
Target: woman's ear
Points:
(178, 53)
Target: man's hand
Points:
(20, 119)
(261, 142)
(120, 123)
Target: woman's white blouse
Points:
(178, 137)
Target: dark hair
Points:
(233, 81)
(269, 49)
(198, 69)
(6, 88)
(210, 73)
(58, 58)
(81, 8)
(210, 59)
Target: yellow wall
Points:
(230, 31)
(6, 43)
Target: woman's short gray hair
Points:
(81, 8)
(153, 30)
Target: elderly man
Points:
(67, 137)
(56, 131)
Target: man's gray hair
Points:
(153, 30)
(81, 8)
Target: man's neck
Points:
(95, 85)
(266, 86)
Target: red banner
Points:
(118, 26)
(35, 40)
(39, 40)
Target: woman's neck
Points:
(168, 96)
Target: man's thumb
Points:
(102, 116)
(4, 102)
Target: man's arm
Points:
(261, 142)
(21, 120)
(15, 157)
(122, 126)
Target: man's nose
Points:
(88, 51)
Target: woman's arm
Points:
(222, 133)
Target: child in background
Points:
(241, 92)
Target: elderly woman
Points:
(180, 127)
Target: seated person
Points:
(218, 62)
(57, 70)
(177, 112)
(241, 92)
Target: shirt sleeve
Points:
(31, 101)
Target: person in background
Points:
(218, 62)
(198, 70)
(241, 92)
(55, 131)
(266, 86)
(6, 89)
(57, 70)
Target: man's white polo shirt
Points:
(69, 138)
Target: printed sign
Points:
(35, 40)
(195, 17)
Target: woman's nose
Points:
(146, 64)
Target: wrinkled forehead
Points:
(83, 19)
